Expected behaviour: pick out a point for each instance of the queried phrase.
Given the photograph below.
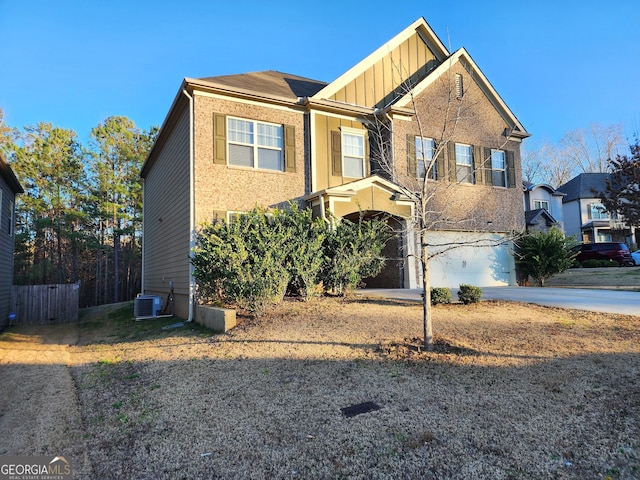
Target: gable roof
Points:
(269, 82)
(9, 177)
(583, 185)
(534, 217)
(462, 56)
(420, 27)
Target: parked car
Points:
(612, 251)
(636, 257)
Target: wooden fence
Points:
(45, 304)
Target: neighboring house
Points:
(9, 187)
(542, 207)
(586, 217)
(232, 142)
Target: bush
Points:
(304, 253)
(469, 294)
(440, 295)
(544, 254)
(251, 261)
(243, 261)
(353, 251)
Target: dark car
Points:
(611, 251)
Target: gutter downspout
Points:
(192, 208)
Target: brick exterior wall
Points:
(462, 206)
(229, 188)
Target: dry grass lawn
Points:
(514, 391)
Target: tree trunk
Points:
(426, 293)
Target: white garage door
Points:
(481, 261)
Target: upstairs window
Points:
(498, 168)
(538, 204)
(255, 144)
(425, 149)
(596, 211)
(353, 154)
(464, 163)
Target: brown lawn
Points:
(514, 391)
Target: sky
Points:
(559, 65)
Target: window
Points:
(353, 154)
(597, 211)
(464, 163)
(11, 218)
(538, 204)
(498, 168)
(459, 87)
(425, 148)
(255, 144)
(603, 235)
(234, 216)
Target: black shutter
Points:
(478, 165)
(453, 174)
(411, 156)
(440, 164)
(511, 169)
(488, 172)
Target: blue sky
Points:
(559, 65)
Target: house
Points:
(586, 217)
(542, 207)
(9, 187)
(232, 142)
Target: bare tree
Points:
(533, 166)
(439, 119)
(589, 149)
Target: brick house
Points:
(232, 142)
(9, 188)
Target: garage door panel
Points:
(481, 262)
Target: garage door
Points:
(481, 261)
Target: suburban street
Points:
(595, 300)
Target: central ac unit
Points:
(146, 306)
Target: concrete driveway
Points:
(595, 300)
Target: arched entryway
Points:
(393, 272)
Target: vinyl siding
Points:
(6, 252)
(166, 218)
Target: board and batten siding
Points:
(410, 60)
(326, 125)
(7, 198)
(166, 219)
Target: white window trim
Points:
(356, 132)
(255, 144)
(425, 165)
(505, 178)
(471, 176)
(603, 215)
(540, 206)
